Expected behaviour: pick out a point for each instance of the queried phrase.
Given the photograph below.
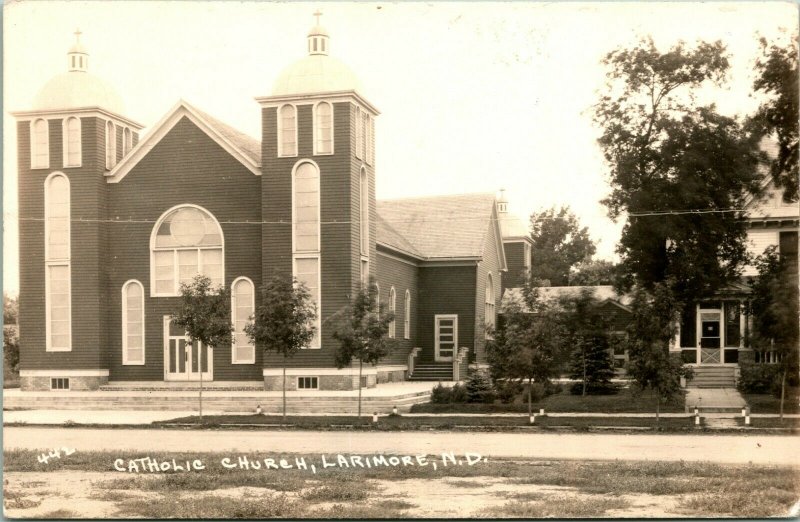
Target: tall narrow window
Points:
(72, 142)
(287, 131)
(489, 310)
(132, 323)
(393, 309)
(306, 243)
(364, 210)
(407, 317)
(364, 272)
(40, 145)
(243, 306)
(370, 139)
(359, 133)
(57, 263)
(323, 128)
(526, 256)
(111, 145)
(364, 134)
(127, 141)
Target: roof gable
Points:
(245, 149)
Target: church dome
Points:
(318, 72)
(77, 88)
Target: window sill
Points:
(133, 363)
(58, 349)
(287, 155)
(243, 362)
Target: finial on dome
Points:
(502, 202)
(77, 57)
(318, 40)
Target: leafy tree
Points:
(778, 79)
(284, 321)
(205, 314)
(655, 320)
(527, 345)
(774, 307)
(10, 309)
(11, 348)
(665, 153)
(586, 332)
(361, 330)
(592, 273)
(559, 243)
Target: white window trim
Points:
(127, 141)
(319, 208)
(233, 312)
(316, 129)
(68, 383)
(297, 382)
(318, 322)
(281, 153)
(111, 144)
(176, 292)
(370, 137)
(363, 197)
(34, 148)
(489, 304)
(359, 132)
(65, 142)
(125, 360)
(56, 262)
(436, 319)
(407, 318)
(393, 309)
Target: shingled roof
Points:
(437, 227)
(247, 144)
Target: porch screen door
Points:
(710, 337)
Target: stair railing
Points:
(412, 357)
(462, 352)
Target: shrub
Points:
(552, 388)
(441, 394)
(758, 378)
(508, 390)
(458, 394)
(594, 388)
(479, 388)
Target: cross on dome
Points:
(318, 40)
(317, 14)
(77, 57)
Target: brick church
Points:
(111, 223)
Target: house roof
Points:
(511, 226)
(600, 292)
(437, 227)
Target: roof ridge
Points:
(435, 196)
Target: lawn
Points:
(767, 403)
(623, 402)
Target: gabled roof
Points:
(437, 227)
(603, 293)
(390, 237)
(245, 149)
(512, 227)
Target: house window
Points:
(111, 145)
(72, 142)
(359, 133)
(186, 241)
(287, 131)
(307, 383)
(732, 324)
(393, 309)
(57, 263)
(306, 208)
(364, 272)
(407, 317)
(127, 141)
(40, 144)
(306, 270)
(59, 383)
(489, 305)
(243, 307)
(364, 212)
(323, 128)
(526, 256)
(132, 323)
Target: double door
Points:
(184, 360)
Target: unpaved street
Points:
(733, 449)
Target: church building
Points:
(111, 224)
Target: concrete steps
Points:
(713, 377)
(432, 372)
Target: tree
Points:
(527, 344)
(778, 79)
(586, 334)
(10, 309)
(592, 273)
(677, 169)
(11, 348)
(361, 329)
(774, 309)
(205, 315)
(559, 242)
(284, 321)
(655, 320)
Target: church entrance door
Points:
(185, 361)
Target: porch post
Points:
(698, 331)
(742, 324)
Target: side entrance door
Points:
(185, 361)
(446, 332)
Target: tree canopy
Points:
(592, 273)
(677, 169)
(559, 243)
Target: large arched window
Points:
(407, 317)
(132, 323)
(243, 306)
(287, 130)
(364, 209)
(186, 241)
(489, 310)
(306, 243)
(72, 142)
(111, 145)
(40, 144)
(393, 309)
(57, 263)
(323, 128)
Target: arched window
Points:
(407, 317)
(489, 310)
(323, 128)
(186, 241)
(393, 309)
(364, 209)
(364, 134)
(111, 145)
(305, 244)
(133, 323)
(57, 263)
(287, 131)
(72, 142)
(370, 139)
(40, 144)
(243, 306)
(359, 133)
(127, 141)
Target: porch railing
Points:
(412, 357)
(457, 360)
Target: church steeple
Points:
(77, 57)
(318, 39)
(502, 202)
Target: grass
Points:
(339, 491)
(60, 514)
(758, 503)
(466, 483)
(768, 403)
(561, 507)
(771, 422)
(17, 500)
(213, 506)
(366, 512)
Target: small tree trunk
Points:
(530, 408)
(783, 389)
(583, 394)
(360, 365)
(200, 348)
(658, 406)
(284, 389)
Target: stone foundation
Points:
(76, 383)
(326, 382)
(391, 376)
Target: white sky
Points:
(474, 96)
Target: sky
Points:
(474, 96)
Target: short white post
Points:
(258, 410)
(375, 416)
(744, 411)
(541, 411)
(747, 416)
(696, 416)
(532, 418)
(394, 410)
